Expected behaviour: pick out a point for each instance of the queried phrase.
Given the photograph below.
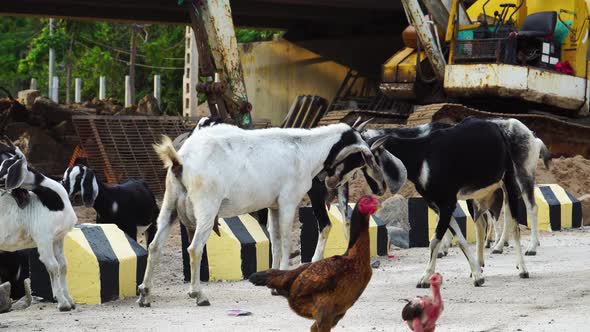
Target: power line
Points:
(116, 49)
(137, 64)
(153, 67)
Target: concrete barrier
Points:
(557, 209)
(242, 249)
(104, 264)
(336, 243)
(423, 222)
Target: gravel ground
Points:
(556, 298)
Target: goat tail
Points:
(545, 154)
(167, 153)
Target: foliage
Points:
(93, 49)
(252, 35)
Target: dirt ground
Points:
(556, 297)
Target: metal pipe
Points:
(413, 10)
(127, 91)
(55, 88)
(51, 62)
(78, 90)
(157, 86)
(101, 88)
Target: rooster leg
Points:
(324, 321)
(478, 280)
(205, 213)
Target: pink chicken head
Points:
(436, 280)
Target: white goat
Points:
(226, 171)
(36, 213)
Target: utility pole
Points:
(132, 56)
(51, 61)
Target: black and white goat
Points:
(525, 146)
(227, 171)
(469, 161)
(36, 214)
(131, 205)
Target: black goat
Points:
(131, 205)
(14, 268)
(469, 161)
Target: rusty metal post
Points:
(434, 54)
(214, 23)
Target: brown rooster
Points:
(325, 290)
(422, 312)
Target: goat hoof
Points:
(497, 251)
(530, 253)
(423, 285)
(439, 255)
(274, 292)
(479, 282)
(524, 275)
(203, 303)
(488, 245)
(193, 295)
(65, 307)
(506, 244)
(144, 305)
(142, 290)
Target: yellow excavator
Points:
(526, 59)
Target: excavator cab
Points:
(528, 54)
(526, 59)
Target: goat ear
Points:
(15, 170)
(378, 143)
(395, 173)
(362, 126)
(89, 187)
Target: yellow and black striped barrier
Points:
(336, 243)
(557, 209)
(423, 222)
(104, 264)
(242, 249)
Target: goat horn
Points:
(378, 143)
(356, 122)
(362, 126)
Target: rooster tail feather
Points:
(260, 278)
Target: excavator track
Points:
(563, 138)
(381, 119)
